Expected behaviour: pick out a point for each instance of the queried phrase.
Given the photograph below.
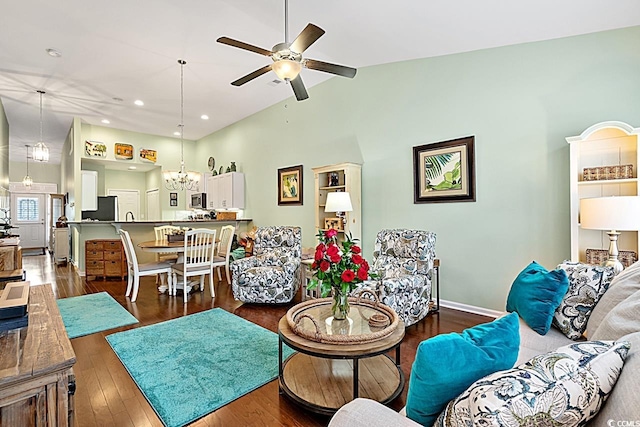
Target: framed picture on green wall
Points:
(444, 171)
(290, 185)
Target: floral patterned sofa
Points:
(614, 318)
(272, 274)
(404, 260)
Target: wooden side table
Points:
(305, 277)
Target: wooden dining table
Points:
(163, 246)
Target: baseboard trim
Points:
(471, 308)
(76, 267)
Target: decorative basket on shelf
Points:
(598, 256)
(607, 172)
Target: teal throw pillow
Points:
(535, 295)
(447, 364)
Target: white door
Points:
(29, 211)
(153, 205)
(128, 201)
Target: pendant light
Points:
(40, 150)
(27, 181)
(181, 180)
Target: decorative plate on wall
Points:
(123, 151)
(148, 155)
(95, 149)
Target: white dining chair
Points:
(136, 270)
(221, 259)
(199, 246)
(162, 231)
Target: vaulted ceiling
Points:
(119, 51)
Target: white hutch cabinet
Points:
(605, 150)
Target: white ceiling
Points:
(128, 49)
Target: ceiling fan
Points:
(287, 58)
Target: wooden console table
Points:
(36, 376)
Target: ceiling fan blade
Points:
(251, 76)
(245, 46)
(298, 88)
(306, 38)
(339, 70)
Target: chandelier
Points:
(181, 180)
(40, 150)
(27, 181)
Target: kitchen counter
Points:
(140, 231)
(159, 222)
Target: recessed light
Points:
(138, 102)
(54, 52)
(105, 121)
(132, 168)
(204, 117)
(176, 133)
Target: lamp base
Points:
(613, 261)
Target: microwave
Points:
(198, 201)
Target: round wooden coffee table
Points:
(325, 376)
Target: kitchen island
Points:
(140, 231)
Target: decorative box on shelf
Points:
(226, 215)
(607, 172)
(598, 256)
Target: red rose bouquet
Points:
(337, 268)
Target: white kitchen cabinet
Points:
(89, 184)
(225, 191)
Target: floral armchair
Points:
(404, 259)
(272, 274)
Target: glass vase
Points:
(340, 306)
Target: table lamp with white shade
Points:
(338, 202)
(612, 214)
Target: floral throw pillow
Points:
(587, 284)
(566, 387)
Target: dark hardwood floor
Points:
(106, 394)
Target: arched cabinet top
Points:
(622, 128)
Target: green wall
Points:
(40, 172)
(519, 101)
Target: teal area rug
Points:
(88, 314)
(190, 366)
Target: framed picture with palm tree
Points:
(444, 171)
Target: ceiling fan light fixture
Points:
(286, 69)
